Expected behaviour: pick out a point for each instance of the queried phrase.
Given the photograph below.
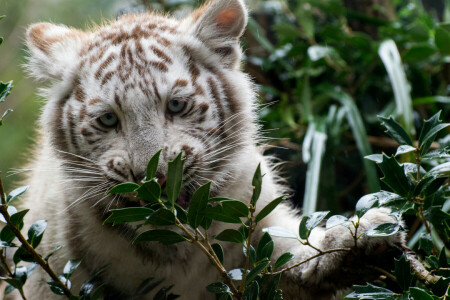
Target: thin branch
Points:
(44, 264)
(248, 246)
(382, 271)
(418, 268)
(308, 259)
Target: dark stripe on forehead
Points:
(59, 135)
(161, 54)
(71, 128)
(180, 83)
(230, 93)
(111, 57)
(107, 77)
(117, 100)
(159, 65)
(94, 101)
(217, 99)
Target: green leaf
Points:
(5, 89)
(431, 99)
(217, 213)
(403, 273)
(218, 250)
(370, 292)
(336, 220)
(374, 157)
(126, 187)
(7, 235)
(70, 267)
(218, 288)
(429, 130)
(283, 259)
(22, 254)
(442, 40)
(198, 203)
(4, 115)
(256, 183)
(150, 191)
(442, 169)
(252, 253)
(16, 193)
(174, 178)
(419, 294)
(260, 266)
(36, 231)
(396, 131)
(436, 215)
(437, 154)
(16, 283)
(381, 230)
(129, 214)
(308, 223)
(265, 239)
(252, 291)
(153, 166)
(268, 209)
(161, 217)
(235, 208)
(394, 176)
(429, 185)
(267, 250)
(17, 218)
(165, 237)
(404, 149)
(230, 235)
(280, 232)
(418, 53)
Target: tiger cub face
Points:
(122, 91)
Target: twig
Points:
(308, 259)
(418, 269)
(248, 246)
(27, 246)
(382, 271)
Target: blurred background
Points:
(324, 69)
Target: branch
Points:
(44, 264)
(418, 269)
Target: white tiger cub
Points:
(118, 94)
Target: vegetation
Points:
(326, 69)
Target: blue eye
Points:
(175, 106)
(108, 120)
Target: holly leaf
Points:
(396, 131)
(395, 177)
(403, 273)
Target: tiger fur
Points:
(133, 67)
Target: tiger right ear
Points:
(53, 50)
(220, 24)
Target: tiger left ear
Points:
(220, 24)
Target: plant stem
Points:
(248, 247)
(2, 191)
(382, 271)
(211, 257)
(308, 259)
(26, 246)
(3, 258)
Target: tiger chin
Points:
(117, 94)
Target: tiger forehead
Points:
(134, 28)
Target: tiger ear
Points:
(220, 24)
(53, 50)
